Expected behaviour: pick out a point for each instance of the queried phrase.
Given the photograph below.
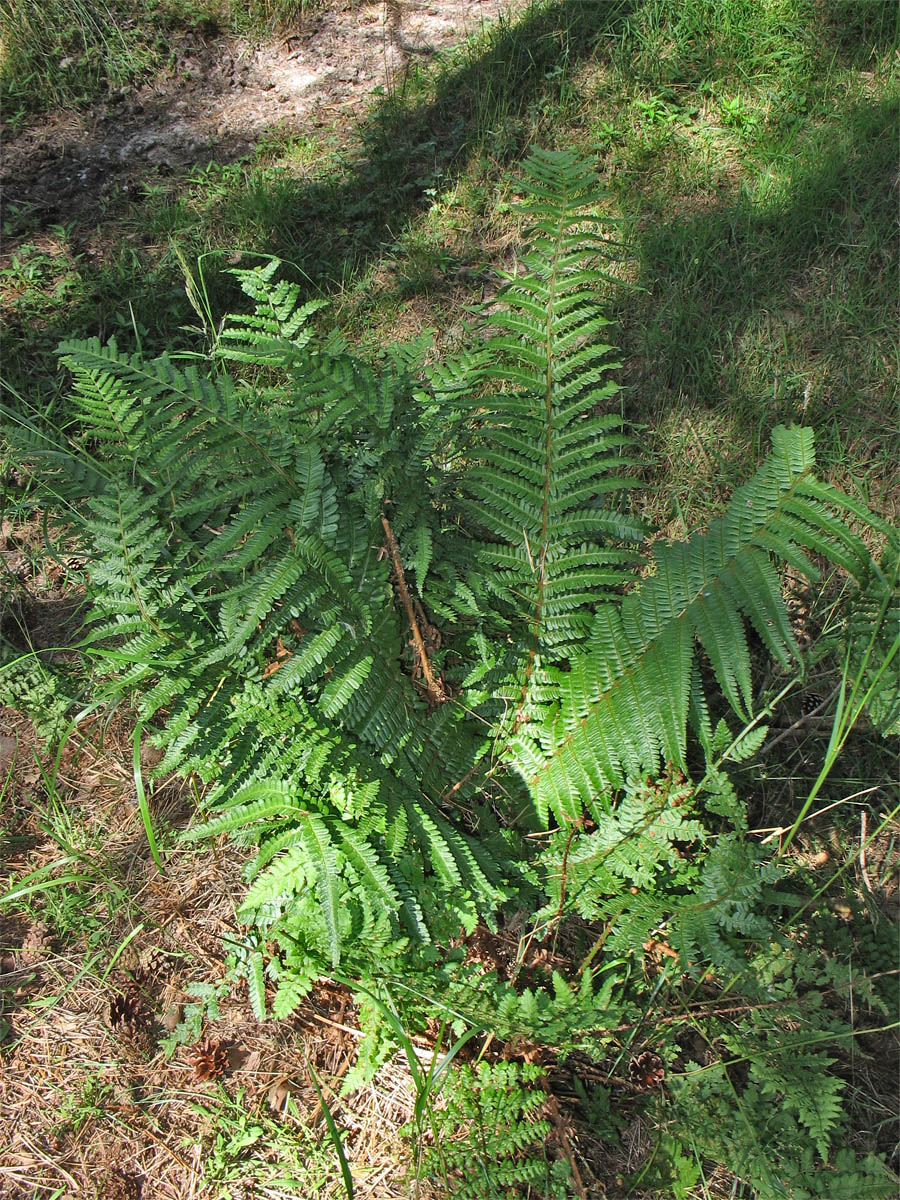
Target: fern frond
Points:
(251, 804)
(544, 451)
(625, 703)
(277, 327)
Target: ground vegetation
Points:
(580, 584)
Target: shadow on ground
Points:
(811, 265)
(701, 290)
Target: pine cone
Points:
(209, 1059)
(153, 961)
(119, 1185)
(810, 702)
(34, 944)
(126, 1012)
(646, 1070)
(130, 1020)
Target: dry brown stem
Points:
(433, 687)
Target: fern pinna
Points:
(267, 537)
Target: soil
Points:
(223, 97)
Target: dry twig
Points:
(433, 687)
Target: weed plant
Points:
(244, 1149)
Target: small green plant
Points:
(244, 1148)
(670, 1171)
(202, 1008)
(655, 111)
(488, 1135)
(28, 684)
(87, 1105)
(735, 113)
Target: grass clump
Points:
(58, 54)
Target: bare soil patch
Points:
(223, 97)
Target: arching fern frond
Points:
(542, 447)
(624, 703)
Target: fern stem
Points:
(551, 1107)
(433, 687)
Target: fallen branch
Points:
(433, 687)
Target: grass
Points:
(749, 149)
(251, 1149)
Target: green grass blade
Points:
(334, 1135)
(142, 799)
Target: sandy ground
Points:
(225, 96)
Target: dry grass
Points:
(87, 1108)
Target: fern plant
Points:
(487, 1135)
(396, 620)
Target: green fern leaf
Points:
(323, 858)
(625, 703)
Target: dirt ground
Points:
(223, 97)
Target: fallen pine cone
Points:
(35, 943)
(153, 961)
(126, 1012)
(131, 1021)
(209, 1059)
(646, 1070)
(810, 702)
